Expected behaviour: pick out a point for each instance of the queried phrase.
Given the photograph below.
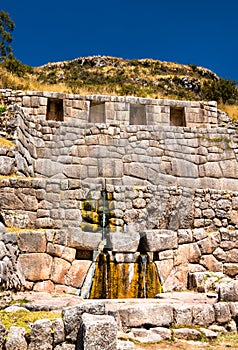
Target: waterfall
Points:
(113, 280)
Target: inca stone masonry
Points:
(126, 175)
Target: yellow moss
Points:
(23, 318)
(6, 143)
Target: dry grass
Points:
(228, 341)
(231, 110)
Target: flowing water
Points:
(113, 280)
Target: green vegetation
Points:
(6, 28)
(2, 109)
(223, 91)
(24, 318)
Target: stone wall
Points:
(114, 110)
(168, 191)
(125, 155)
(182, 230)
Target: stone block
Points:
(97, 332)
(137, 315)
(41, 336)
(222, 312)
(77, 273)
(229, 291)
(47, 167)
(187, 333)
(183, 315)
(72, 315)
(187, 253)
(110, 167)
(158, 240)
(84, 240)
(203, 314)
(32, 242)
(6, 165)
(185, 236)
(16, 339)
(60, 267)
(230, 269)
(58, 330)
(44, 286)
(36, 266)
(123, 242)
(211, 263)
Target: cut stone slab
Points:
(36, 266)
(138, 315)
(158, 240)
(84, 240)
(97, 332)
(121, 242)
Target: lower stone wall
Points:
(109, 324)
(59, 225)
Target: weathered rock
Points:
(32, 242)
(60, 267)
(164, 333)
(36, 266)
(2, 228)
(231, 327)
(183, 315)
(65, 346)
(222, 313)
(2, 336)
(157, 240)
(125, 345)
(187, 333)
(84, 240)
(137, 315)
(16, 339)
(58, 330)
(209, 334)
(6, 165)
(124, 242)
(229, 291)
(41, 335)
(71, 316)
(44, 286)
(211, 263)
(97, 332)
(77, 273)
(203, 315)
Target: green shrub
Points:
(2, 109)
(15, 66)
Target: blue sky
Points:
(203, 32)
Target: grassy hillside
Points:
(117, 76)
